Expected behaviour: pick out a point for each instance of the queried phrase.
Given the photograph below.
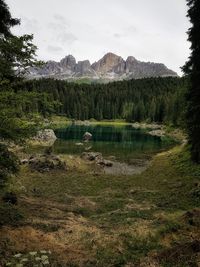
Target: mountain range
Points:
(109, 68)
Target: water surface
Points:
(123, 142)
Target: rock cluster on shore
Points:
(45, 163)
(97, 157)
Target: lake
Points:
(123, 142)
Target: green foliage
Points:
(10, 215)
(47, 227)
(16, 106)
(185, 165)
(153, 99)
(8, 164)
(17, 54)
(134, 249)
(192, 68)
(170, 227)
(10, 197)
(6, 21)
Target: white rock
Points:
(46, 136)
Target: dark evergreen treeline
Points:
(151, 99)
(192, 68)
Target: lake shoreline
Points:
(119, 166)
(154, 129)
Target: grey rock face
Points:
(83, 68)
(110, 67)
(68, 63)
(109, 63)
(50, 68)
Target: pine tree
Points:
(16, 55)
(6, 21)
(192, 68)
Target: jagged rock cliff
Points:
(110, 67)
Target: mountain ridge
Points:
(110, 67)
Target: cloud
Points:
(29, 25)
(59, 23)
(131, 29)
(60, 29)
(127, 31)
(60, 19)
(55, 26)
(117, 35)
(55, 49)
(67, 37)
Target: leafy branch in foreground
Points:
(6, 21)
(15, 108)
(9, 164)
(17, 54)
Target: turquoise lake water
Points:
(123, 142)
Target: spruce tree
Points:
(6, 21)
(192, 69)
(17, 54)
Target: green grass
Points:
(46, 227)
(135, 215)
(183, 163)
(10, 215)
(166, 184)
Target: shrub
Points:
(10, 197)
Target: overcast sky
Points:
(150, 30)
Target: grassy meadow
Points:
(87, 218)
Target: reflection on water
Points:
(123, 142)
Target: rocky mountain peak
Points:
(108, 63)
(110, 67)
(68, 60)
(111, 57)
(131, 59)
(68, 63)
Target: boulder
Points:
(159, 133)
(92, 156)
(87, 136)
(46, 163)
(88, 148)
(98, 158)
(24, 161)
(79, 144)
(105, 163)
(108, 163)
(46, 136)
